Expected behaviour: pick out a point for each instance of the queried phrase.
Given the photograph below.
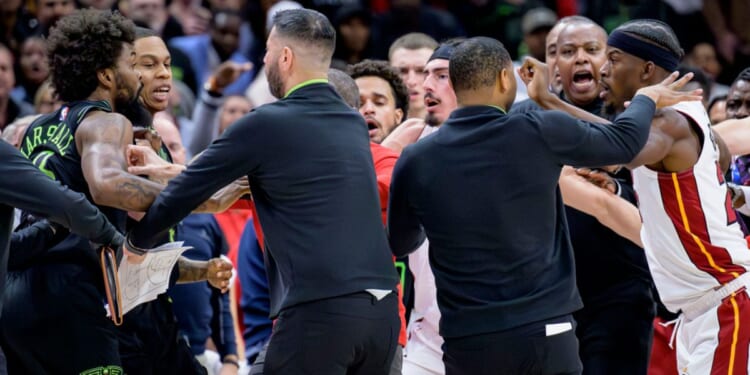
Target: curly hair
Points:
(80, 45)
(380, 68)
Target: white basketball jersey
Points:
(690, 232)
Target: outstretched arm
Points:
(667, 126)
(612, 211)
(736, 135)
(26, 187)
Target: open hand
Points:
(228, 72)
(598, 178)
(667, 92)
(405, 134)
(144, 161)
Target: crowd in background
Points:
(216, 48)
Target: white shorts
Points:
(717, 341)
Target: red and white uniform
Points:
(694, 246)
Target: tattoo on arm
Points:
(191, 270)
(101, 140)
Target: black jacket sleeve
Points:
(27, 188)
(228, 158)
(405, 233)
(32, 241)
(582, 143)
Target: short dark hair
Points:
(655, 32)
(380, 68)
(83, 43)
(307, 26)
(475, 63)
(344, 85)
(412, 41)
(743, 76)
(144, 32)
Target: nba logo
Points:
(64, 113)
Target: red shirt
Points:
(384, 160)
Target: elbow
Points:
(102, 191)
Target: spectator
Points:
(409, 16)
(536, 24)
(10, 108)
(33, 68)
(409, 54)
(207, 52)
(353, 34)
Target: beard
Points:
(128, 105)
(432, 120)
(275, 84)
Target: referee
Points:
(307, 157)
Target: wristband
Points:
(211, 89)
(132, 248)
(229, 361)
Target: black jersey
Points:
(50, 144)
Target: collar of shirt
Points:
(306, 83)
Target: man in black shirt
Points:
(614, 326)
(484, 188)
(26, 188)
(308, 160)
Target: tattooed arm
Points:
(101, 140)
(216, 271)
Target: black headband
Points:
(644, 50)
(444, 52)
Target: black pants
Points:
(616, 338)
(347, 335)
(150, 343)
(54, 322)
(525, 350)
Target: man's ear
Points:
(286, 58)
(106, 77)
(399, 116)
(502, 82)
(647, 71)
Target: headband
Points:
(645, 50)
(443, 52)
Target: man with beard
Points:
(66, 329)
(383, 100)
(149, 338)
(695, 249)
(615, 285)
(308, 160)
(82, 145)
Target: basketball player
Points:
(695, 250)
